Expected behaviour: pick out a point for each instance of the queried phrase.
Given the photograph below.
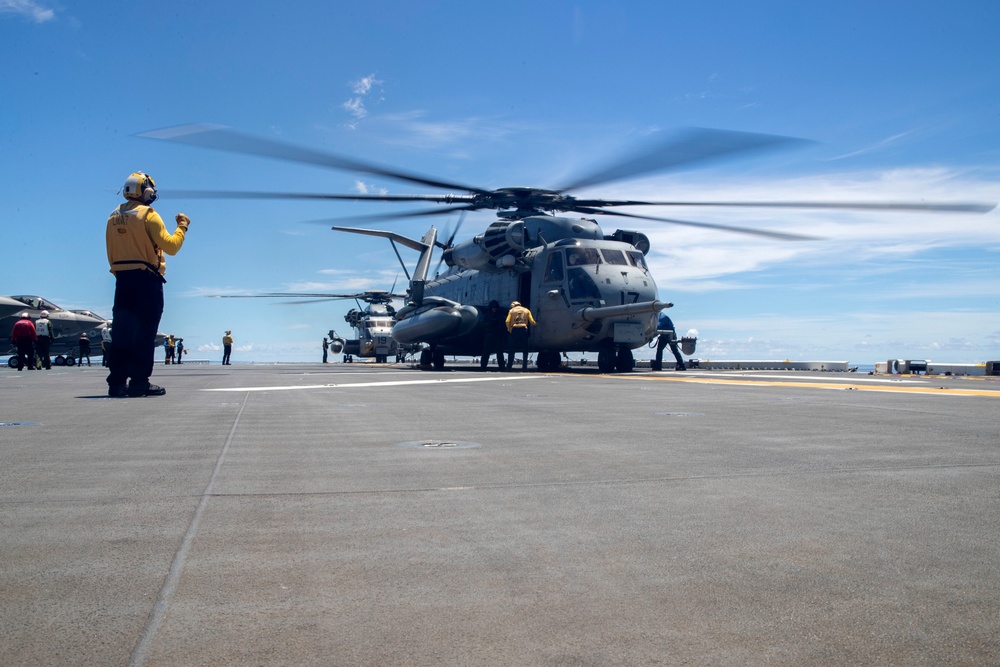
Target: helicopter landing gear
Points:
(547, 361)
(606, 359)
(611, 359)
(624, 362)
(432, 358)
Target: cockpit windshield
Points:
(581, 256)
(36, 302)
(637, 260)
(614, 257)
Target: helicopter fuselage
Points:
(373, 327)
(588, 292)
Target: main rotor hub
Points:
(524, 200)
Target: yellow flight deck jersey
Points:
(137, 239)
(518, 318)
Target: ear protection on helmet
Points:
(141, 187)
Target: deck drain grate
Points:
(679, 414)
(437, 444)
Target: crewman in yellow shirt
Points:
(517, 322)
(137, 240)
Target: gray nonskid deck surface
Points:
(359, 515)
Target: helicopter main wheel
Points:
(606, 360)
(425, 358)
(12, 362)
(624, 361)
(548, 361)
(59, 360)
(438, 360)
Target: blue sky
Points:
(901, 100)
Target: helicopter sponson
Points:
(436, 317)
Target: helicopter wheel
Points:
(624, 363)
(438, 360)
(548, 360)
(425, 358)
(606, 360)
(12, 362)
(59, 360)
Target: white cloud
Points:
(362, 88)
(28, 9)
(364, 85)
(364, 189)
(414, 129)
(356, 107)
(876, 147)
(692, 258)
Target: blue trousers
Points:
(136, 317)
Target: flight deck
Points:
(363, 514)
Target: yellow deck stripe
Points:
(931, 391)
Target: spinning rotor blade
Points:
(454, 232)
(687, 148)
(311, 297)
(281, 295)
(388, 217)
(225, 139)
(709, 225)
(451, 238)
(931, 207)
(234, 194)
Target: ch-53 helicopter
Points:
(372, 324)
(589, 291)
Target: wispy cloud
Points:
(363, 89)
(28, 9)
(872, 250)
(416, 129)
(876, 147)
(363, 188)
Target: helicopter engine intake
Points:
(490, 250)
(337, 345)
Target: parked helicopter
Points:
(372, 324)
(589, 291)
(68, 326)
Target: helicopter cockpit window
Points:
(554, 268)
(581, 285)
(637, 260)
(614, 257)
(579, 256)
